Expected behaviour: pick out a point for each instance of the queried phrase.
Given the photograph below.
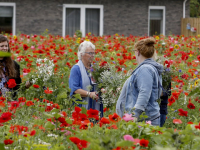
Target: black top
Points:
(17, 79)
(164, 100)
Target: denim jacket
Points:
(141, 91)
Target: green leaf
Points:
(2, 146)
(68, 121)
(62, 95)
(5, 54)
(77, 96)
(56, 115)
(48, 125)
(48, 115)
(84, 110)
(124, 144)
(195, 91)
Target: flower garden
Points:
(44, 117)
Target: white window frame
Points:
(82, 17)
(157, 7)
(14, 15)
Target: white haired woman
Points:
(80, 78)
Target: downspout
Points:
(184, 8)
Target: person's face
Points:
(88, 56)
(136, 54)
(3, 47)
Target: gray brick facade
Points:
(120, 16)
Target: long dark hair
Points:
(10, 65)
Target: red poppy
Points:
(190, 122)
(21, 99)
(191, 106)
(93, 113)
(36, 86)
(48, 108)
(8, 141)
(11, 83)
(6, 116)
(75, 140)
(182, 112)
(112, 127)
(25, 47)
(197, 126)
(2, 99)
(104, 120)
(171, 100)
(114, 118)
(47, 91)
(144, 143)
(29, 103)
(105, 109)
(177, 121)
(15, 104)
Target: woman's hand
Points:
(93, 95)
(28, 84)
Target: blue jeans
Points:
(162, 119)
(156, 122)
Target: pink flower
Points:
(128, 138)
(127, 117)
(148, 122)
(24, 74)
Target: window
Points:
(86, 18)
(7, 18)
(156, 20)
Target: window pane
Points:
(72, 21)
(155, 27)
(156, 14)
(6, 17)
(92, 21)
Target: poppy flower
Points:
(47, 91)
(36, 86)
(190, 122)
(191, 106)
(105, 109)
(75, 140)
(114, 118)
(197, 126)
(93, 113)
(15, 104)
(25, 47)
(2, 99)
(11, 83)
(29, 103)
(144, 143)
(182, 112)
(21, 99)
(104, 120)
(177, 121)
(8, 141)
(6, 116)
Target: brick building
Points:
(100, 17)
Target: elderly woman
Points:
(9, 69)
(80, 81)
(143, 88)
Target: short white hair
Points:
(82, 48)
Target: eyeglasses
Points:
(91, 53)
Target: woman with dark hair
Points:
(143, 88)
(9, 69)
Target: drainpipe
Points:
(184, 8)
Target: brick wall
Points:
(120, 16)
